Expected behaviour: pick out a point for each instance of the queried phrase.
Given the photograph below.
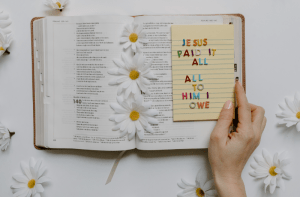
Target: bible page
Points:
(80, 51)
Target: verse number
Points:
(77, 101)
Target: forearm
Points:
(230, 187)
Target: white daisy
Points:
(133, 36)
(30, 182)
(56, 4)
(4, 22)
(5, 41)
(133, 117)
(132, 76)
(201, 188)
(291, 112)
(273, 169)
(5, 136)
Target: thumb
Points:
(225, 119)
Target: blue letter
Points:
(200, 78)
(196, 96)
(205, 62)
(200, 61)
(194, 78)
(183, 42)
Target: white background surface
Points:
(272, 69)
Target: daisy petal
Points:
(285, 162)
(267, 181)
(254, 165)
(124, 39)
(124, 125)
(39, 188)
(25, 170)
(151, 112)
(181, 185)
(18, 185)
(267, 156)
(126, 45)
(122, 134)
(120, 117)
(187, 183)
(280, 184)
(149, 129)
(201, 177)
(113, 71)
(287, 174)
(283, 155)
(208, 185)
(150, 75)
(273, 186)
(41, 171)
(133, 46)
(119, 63)
(290, 104)
(275, 159)
(21, 178)
(29, 193)
(22, 192)
(212, 192)
(152, 120)
(297, 101)
(138, 126)
(131, 136)
(117, 108)
(37, 195)
(131, 127)
(298, 126)
(43, 179)
(141, 134)
(143, 40)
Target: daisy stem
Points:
(11, 133)
(7, 52)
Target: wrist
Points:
(230, 186)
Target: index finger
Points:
(244, 109)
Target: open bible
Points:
(71, 56)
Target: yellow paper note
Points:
(202, 70)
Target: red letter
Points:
(188, 42)
(195, 62)
(186, 53)
(187, 79)
(200, 105)
(184, 95)
(207, 104)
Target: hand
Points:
(228, 153)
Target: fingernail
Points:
(239, 83)
(228, 104)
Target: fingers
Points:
(257, 114)
(221, 129)
(263, 125)
(244, 110)
(258, 118)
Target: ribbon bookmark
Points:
(113, 169)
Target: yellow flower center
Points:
(134, 74)
(200, 192)
(31, 183)
(59, 5)
(134, 115)
(298, 115)
(272, 171)
(133, 37)
(1, 49)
